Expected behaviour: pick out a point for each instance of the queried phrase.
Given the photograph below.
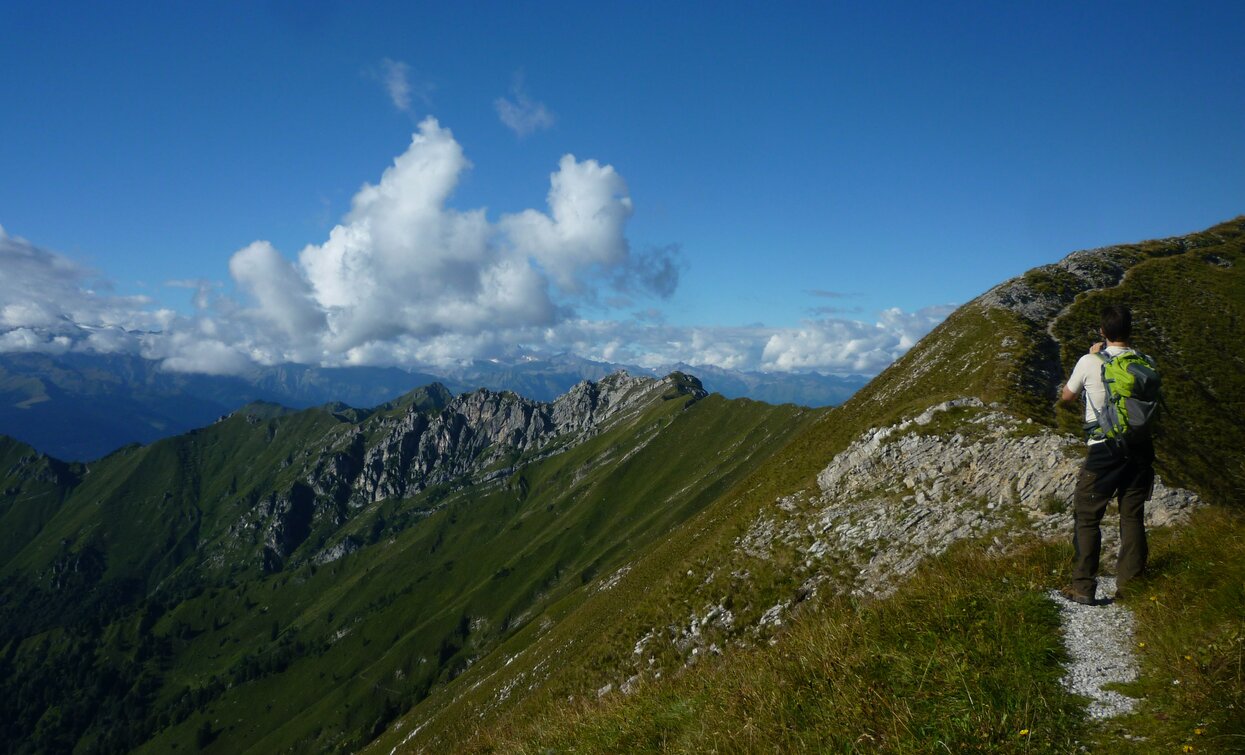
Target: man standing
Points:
(1111, 469)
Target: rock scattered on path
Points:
(1099, 639)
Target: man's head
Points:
(1117, 322)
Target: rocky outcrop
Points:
(1042, 293)
(395, 453)
(482, 430)
(902, 493)
(287, 519)
(898, 495)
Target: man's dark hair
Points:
(1117, 322)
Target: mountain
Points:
(260, 562)
(804, 388)
(81, 406)
(546, 377)
(639, 565)
(879, 581)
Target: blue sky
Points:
(824, 178)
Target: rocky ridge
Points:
(898, 495)
(901, 493)
(1042, 293)
(474, 438)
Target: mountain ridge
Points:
(995, 350)
(82, 406)
(194, 531)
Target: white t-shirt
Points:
(1087, 377)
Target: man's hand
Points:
(1097, 347)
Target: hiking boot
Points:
(1072, 595)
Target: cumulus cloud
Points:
(188, 351)
(284, 296)
(406, 276)
(405, 263)
(589, 206)
(843, 346)
(29, 339)
(407, 279)
(522, 115)
(828, 346)
(912, 326)
(47, 292)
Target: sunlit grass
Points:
(1191, 618)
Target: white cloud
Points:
(208, 356)
(407, 279)
(522, 115)
(396, 77)
(405, 263)
(912, 326)
(282, 292)
(835, 345)
(589, 206)
(31, 340)
(44, 290)
(402, 83)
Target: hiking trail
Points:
(1099, 639)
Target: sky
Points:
(778, 187)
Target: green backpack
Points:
(1133, 397)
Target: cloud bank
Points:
(407, 279)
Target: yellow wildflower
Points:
(1024, 732)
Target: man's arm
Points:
(1071, 392)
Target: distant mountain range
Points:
(80, 406)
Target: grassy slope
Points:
(34, 487)
(145, 507)
(592, 640)
(391, 621)
(990, 353)
(321, 657)
(965, 657)
(1190, 316)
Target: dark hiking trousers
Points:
(1106, 475)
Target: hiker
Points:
(1114, 466)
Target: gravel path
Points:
(1099, 639)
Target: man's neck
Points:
(1120, 344)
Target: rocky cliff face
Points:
(472, 438)
(483, 431)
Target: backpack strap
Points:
(1100, 432)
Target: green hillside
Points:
(559, 691)
(151, 610)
